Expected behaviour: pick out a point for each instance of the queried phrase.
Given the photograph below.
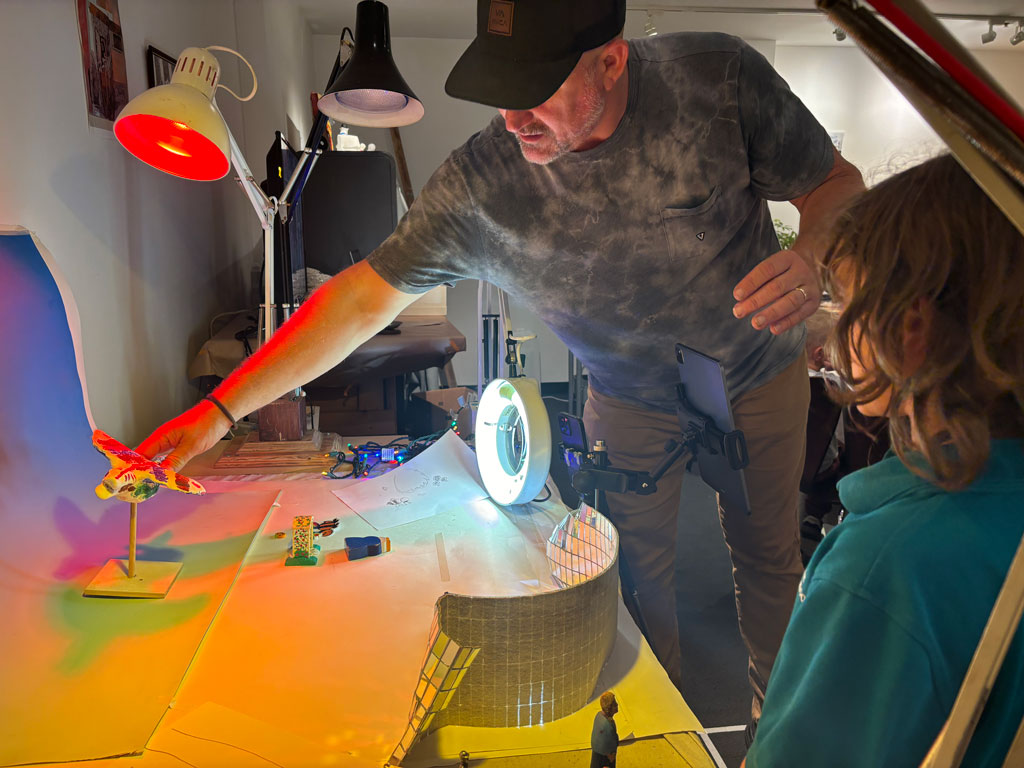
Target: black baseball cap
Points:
(525, 49)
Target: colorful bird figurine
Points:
(133, 477)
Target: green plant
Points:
(785, 233)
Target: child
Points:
(893, 603)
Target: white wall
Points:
(883, 132)
(149, 257)
(275, 39)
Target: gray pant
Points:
(764, 546)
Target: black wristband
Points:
(221, 407)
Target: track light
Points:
(840, 35)
(1018, 36)
(988, 37)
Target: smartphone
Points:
(573, 435)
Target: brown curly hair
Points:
(931, 234)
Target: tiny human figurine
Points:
(604, 740)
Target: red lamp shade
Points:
(175, 127)
(171, 146)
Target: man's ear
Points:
(613, 62)
(917, 323)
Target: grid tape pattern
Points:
(535, 658)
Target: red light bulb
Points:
(172, 147)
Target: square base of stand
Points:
(150, 580)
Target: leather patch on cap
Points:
(499, 18)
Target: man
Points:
(604, 739)
(621, 195)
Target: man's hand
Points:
(781, 292)
(196, 430)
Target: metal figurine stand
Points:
(131, 578)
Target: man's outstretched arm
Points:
(342, 314)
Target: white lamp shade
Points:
(372, 108)
(175, 127)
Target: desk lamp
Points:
(178, 129)
(370, 91)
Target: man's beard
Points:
(589, 110)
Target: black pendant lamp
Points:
(369, 90)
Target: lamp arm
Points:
(306, 161)
(265, 207)
(311, 151)
(266, 210)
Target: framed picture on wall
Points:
(159, 66)
(103, 64)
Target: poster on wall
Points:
(837, 139)
(103, 65)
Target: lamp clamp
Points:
(513, 358)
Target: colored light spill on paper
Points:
(98, 672)
(445, 474)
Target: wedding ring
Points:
(802, 291)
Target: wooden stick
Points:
(951, 744)
(131, 539)
(920, 15)
(1016, 754)
(403, 169)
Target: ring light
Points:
(513, 440)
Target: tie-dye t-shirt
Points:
(636, 244)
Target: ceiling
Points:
(767, 19)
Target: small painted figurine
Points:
(302, 536)
(133, 477)
(303, 550)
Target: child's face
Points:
(862, 355)
(862, 359)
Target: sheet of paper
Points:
(442, 476)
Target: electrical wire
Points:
(255, 84)
(411, 448)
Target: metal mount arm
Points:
(266, 210)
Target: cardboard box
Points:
(430, 411)
(370, 407)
